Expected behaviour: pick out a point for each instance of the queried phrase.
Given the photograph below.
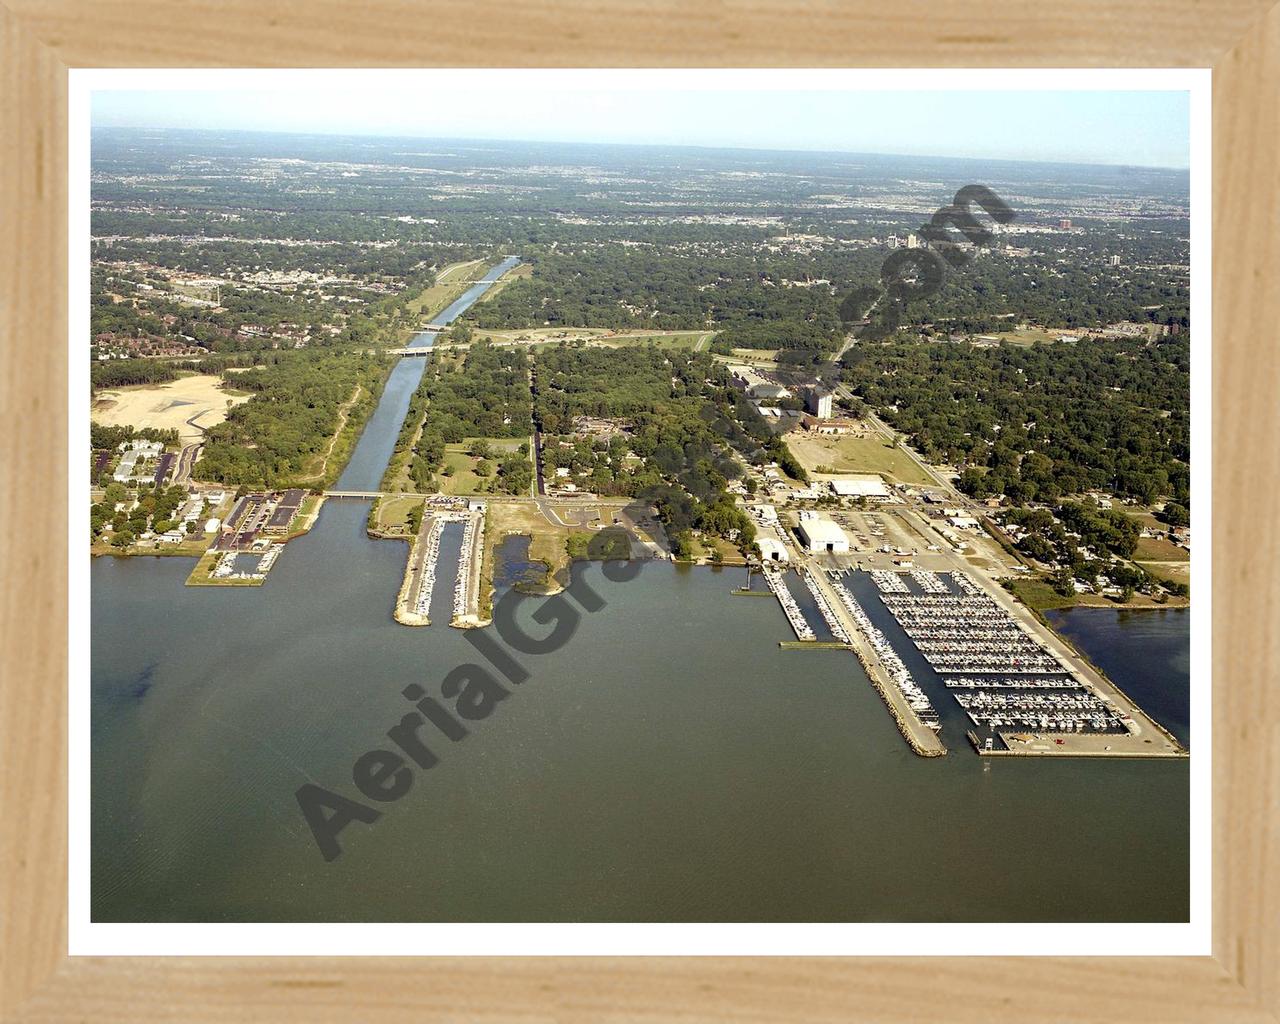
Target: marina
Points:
(898, 674)
(778, 585)
(256, 530)
(1019, 694)
(413, 605)
(824, 607)
(226, 567)
(586, 703)
(578, 468)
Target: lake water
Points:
(1147, 652)
(669, 763)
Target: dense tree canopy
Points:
(1040, 422)
(276, 436)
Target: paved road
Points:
(186, 461)
(537, 463)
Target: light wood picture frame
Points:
(41, 39)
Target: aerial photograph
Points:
(590, 506)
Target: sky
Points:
(1099, 126)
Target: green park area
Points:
(393, 517)
(470, 467)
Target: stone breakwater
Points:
(872, 669)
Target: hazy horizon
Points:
(495, 141)
(1141, 129)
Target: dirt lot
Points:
(173, 406)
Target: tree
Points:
(682, 545)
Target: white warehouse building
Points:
(865, 485)
(823, 535)
(771, 550)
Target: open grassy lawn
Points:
(1038, 595)
(457, 475)
(1171, 572)
(756, 355)
(462, 477)
(451, 282)
(393, 513)
(466, 270)
(674, 339)
(1028, 336)
(850, 454)
(307, 515)
(1157, 549)
(729, 555)
(540, 337)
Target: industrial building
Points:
(768, 392)
(861, 485)
(823, 535)
(772, 550)
(817, 402)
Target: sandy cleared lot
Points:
(184, 405)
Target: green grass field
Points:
(1029, 336)
(462, 478)
(542, 337)
(451, 282)
(393, 513)
(523, 270)
(1169, 572)
(850, 454)
(1157, 549)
